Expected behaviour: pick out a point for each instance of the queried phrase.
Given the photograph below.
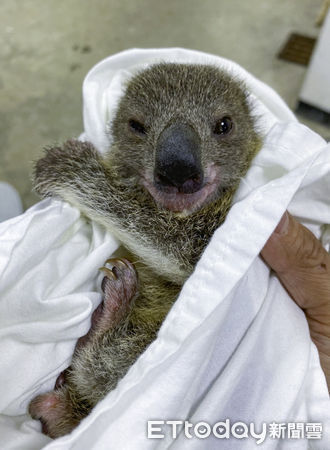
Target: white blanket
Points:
(234, 348)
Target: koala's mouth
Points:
(180, 202)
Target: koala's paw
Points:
(62, 165)
(55, 411)
(120, 287)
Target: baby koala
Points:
(182, 138)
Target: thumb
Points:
(303, 267)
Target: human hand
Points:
(303, 267)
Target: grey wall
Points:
(47, 46)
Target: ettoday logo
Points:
(202, 430)
(158, 429)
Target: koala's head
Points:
(183, 132)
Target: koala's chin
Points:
(187, 198)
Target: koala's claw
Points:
(121, 262)
(115, 263)
(109, 273)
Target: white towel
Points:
(234, 348)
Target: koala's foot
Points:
(55, 412)
(60, 411)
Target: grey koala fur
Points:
(164, 228)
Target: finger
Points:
(301, 263)
(303, 267)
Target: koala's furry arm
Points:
(78, 174)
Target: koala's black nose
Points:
(178, 159)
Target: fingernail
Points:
(283, 224)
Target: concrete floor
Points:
(46, 48)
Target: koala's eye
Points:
(223, 126)
(137, 127)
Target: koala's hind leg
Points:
(61, 410)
